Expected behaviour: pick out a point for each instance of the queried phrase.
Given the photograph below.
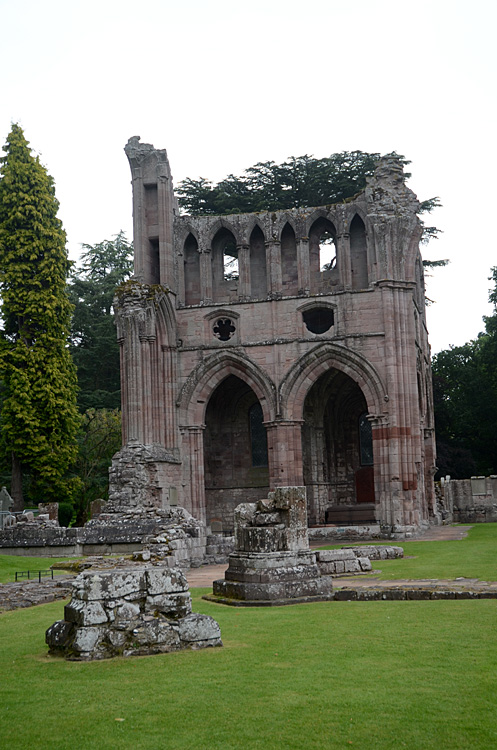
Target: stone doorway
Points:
(338, 452)
(235, 452)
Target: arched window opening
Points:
(322, 254)
(258, 272)
(289, 272)
(327, 252)
(358, 253)
(365, 440)
(258, 436)
(225, 271)
(191, 260)
(230, 260)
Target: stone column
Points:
(244, 292)
(206, 275)
(344, 265)
(167, 415)
(303, 269)
(273, 259)
(194, 475)
(285, 453)
(165, 214)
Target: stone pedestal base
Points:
(274, 578)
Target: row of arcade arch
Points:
(323, 261)
(331, 450)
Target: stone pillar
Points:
(273, 259)
(285, 453)
(167, 410)
(206, 275)
(194, 475)
(344, 265)
(244, 286)
(303, 269)
(165, 214)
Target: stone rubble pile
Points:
(137, 611)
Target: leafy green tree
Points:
(465, 396)
(99, 437)
(39, 416)
(299, 181)
(102, 267)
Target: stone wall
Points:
(183, 538)
(470, 500)
(317, 349)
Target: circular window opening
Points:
(319, 319)
(224, 329)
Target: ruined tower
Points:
(248, 362)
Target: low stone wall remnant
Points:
(135, 611)
(353, 560)
(469, 500)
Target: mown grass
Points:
(471, 557)
(9, 564)
(329, 675)
(375, 675)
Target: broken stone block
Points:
(272, 561)
(59, 634)
(157, 583)
(118, 612)
(85, 613)
(171, 605)
(198, 627)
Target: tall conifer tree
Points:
(39, 415)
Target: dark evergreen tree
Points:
(465, 395)
(102, 267)
(39, 415)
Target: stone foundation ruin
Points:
(135, 611)
(272, 562)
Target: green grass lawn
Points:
(371, 675)
(9, 564)
(472, 557)
(336, 674)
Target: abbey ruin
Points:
(248, 363)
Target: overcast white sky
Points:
(223, 84)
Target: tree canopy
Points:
(39, 415)
(101, 268)
(465, 396)
(299, 181)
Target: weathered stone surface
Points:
(85, 613)
(59, 634)
(157, 584)
(201, 348)
(171, 605)
(195, 628)
(125, 612)
(272, 561)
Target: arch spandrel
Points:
(309, 368)
(206, 377)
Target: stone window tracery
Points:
(224, 329)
